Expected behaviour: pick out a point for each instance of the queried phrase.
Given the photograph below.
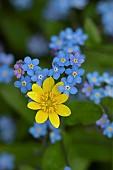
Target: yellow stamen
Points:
(59, 42)
(63, 60)
(75, 60)
(24, 83)
(19, 70)
(31, 66)
(74, 73)
(110, 128)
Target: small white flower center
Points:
(40, 77)
(55, 69)
(67, 87)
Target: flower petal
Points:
(48, 84)
(41, 116)
(54, 119)
(33, 106)
(37, 88)
(55, 88)
(34, 96)
(62, 98)
(63, 110)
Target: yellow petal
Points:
(37, 88)
(34, 96)
(63, 110)
(33, 106)
(55, 88)
(41, 116)
(62, 98)
(54, 119)
(48, 84)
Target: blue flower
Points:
(67, 168)
(56, 71)
(22, 4)
(80, 37)
(70, 48)
(87, 89)
(103, 121)
(55, 135)
(67, 88)
(56, 43)
(6, 74)
(94, 78)
(7, 129)
(30, 65)
(34, 45)
(108, 131)
(79, 4)
(74, 74)
(67, 35)
(6, 161)
(39, 76)
(62, 59)
(97, 95)
(38, 130)
(77, 59)
(106, 78)
(108, 91)
(24, 84)
(6, 59)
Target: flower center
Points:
(39, 130)
(31, 66)
(63, 60)
(74, 73)
(89, 88)
(19, 70)
(97, 95)
(94, 79)
(102, 120)
(67, 87)
(40, 77)
(70, 50)
(59, 42)
(48, 102)
(55, 69)
(110, 128)
(24, 83)
(75, 60)
(5, 73)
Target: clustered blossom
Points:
(60, 9)
(96, 88)
(7, 129)
(40, 130)
(105, 8)
(6, 72)
(6, 161)
(67, 60)
(34, 45)
(105, 125)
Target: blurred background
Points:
(26, 27)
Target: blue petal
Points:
(17, 84)
(23, 89)
(30, 72)
(61, 88)
(27, 60)
(25, 67)
(68, 71)
(73, 90)
(35, 62)
(70, 79)
(29, 86)
(56, 76)
(34, 78)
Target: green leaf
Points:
(83, 112)
(26, 167)
(87, 143)
(17, 101)
(107, 104)
(93, 32)
(53, 158)
(24, 153)
(16, 32)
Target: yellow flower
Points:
(48, 100)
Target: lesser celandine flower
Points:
(48, 100)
